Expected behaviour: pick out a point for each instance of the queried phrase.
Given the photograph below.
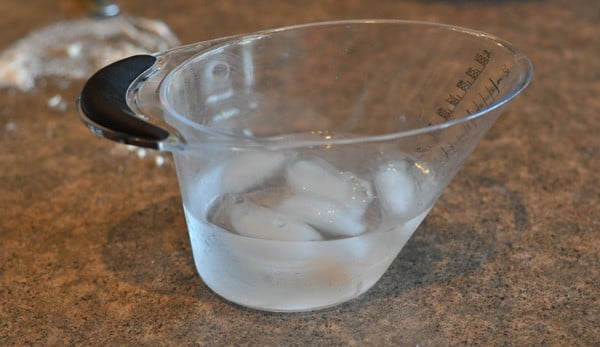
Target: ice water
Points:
(282, 232)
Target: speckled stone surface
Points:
(94, 249)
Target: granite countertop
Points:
(94, 248)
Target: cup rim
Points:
(219, 138)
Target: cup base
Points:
(292, 276)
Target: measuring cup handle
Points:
(103, 104)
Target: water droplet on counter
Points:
(141, 153)
(57, 102)
(159, 160)
(11, 126)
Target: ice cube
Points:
(250, 219)
(396, 187)
(206, 188)
(321, 179)
(250, 169)
(362, 192)
(327, 215)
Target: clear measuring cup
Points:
(307, 156)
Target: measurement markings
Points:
(490, 92)
(483, 99)
(495, 85)
(481, 59)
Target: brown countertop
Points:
(94, 249)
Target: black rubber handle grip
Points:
(104, 106)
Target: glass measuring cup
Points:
(307, 156)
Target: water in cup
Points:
(297, 232)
